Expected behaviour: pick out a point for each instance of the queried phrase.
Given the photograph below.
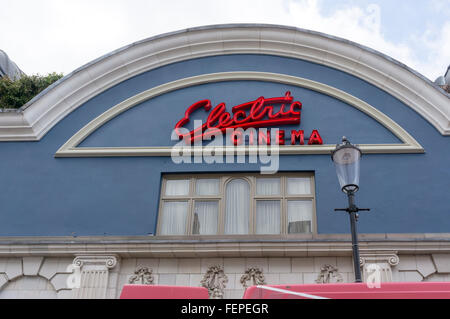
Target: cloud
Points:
(54, 35)
(363, 26)
(437, 46)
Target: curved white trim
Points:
(43, 112)
(70, 149)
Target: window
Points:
(237, 204)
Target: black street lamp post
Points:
(346, 158)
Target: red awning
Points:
(403, 290)
(163, 292)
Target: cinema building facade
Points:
(107, 180)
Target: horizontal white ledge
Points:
(216, 151)
(302, 246)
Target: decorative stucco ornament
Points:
(215, 281)
(255, 275)
(329, 274)
(142, 276)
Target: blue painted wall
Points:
(45, 196)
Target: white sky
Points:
(61, 35)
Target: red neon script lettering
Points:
(257, 113)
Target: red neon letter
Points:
(297, 135)
(236, 137)
(264, 139)
(206, 104)
(315, 138)
(251, 138)
(280, 137)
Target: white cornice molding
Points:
(189, 248)
(36, 118)
(71, 149)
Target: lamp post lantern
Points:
(346, 158)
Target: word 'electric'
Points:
(254, 114)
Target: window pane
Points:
(237, 207)
(177, 187)
(300, 216)
(205, 218)
(174, 218)
(268, 186)
(299, 186)
(268, 217)
(207, 187)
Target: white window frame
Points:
(224, 179)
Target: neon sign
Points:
(254, 114)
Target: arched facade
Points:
(91, 167)
(29, 287)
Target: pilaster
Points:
(377, 265)
(93, 272)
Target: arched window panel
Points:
(237, 207)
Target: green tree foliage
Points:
(14, 94)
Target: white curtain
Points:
(205, 218)
(299, 186)
(268, 217)
(207, 187)
(177, 187)
(299, 216)
(237, 207)
(268, 186)
(174, 216)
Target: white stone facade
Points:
(103, 276)
(34, 277)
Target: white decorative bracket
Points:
(94, 272)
